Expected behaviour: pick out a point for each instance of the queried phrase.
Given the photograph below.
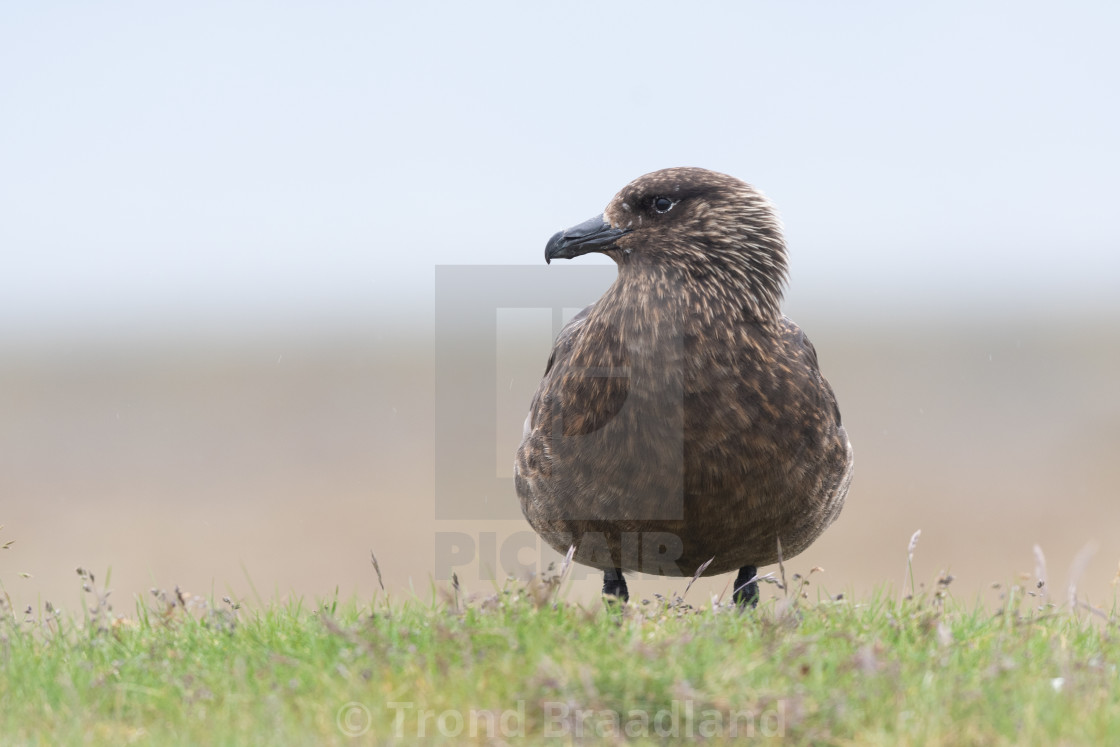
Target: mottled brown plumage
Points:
(682, 418)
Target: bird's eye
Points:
(662, 204)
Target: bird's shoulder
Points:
(769, 365)
(799, 351)
(569, 335)
(585, 380)
(796, 344)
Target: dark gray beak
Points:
(592, 235)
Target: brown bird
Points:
(682, 423)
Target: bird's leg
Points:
(746, 588)
(614, 584)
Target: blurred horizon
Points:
(213, 165)
(415, 321)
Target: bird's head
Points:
(699, 225)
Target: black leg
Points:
(615, 585)
(746, 590)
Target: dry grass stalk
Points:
(1040, 575)
(699, 572)
(1077, 570)
(377, 569)
(910, 565)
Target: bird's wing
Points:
(585, 382)
(765, 400)
(834, 487)
(567, 337)
(797, 345)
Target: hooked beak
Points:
(594, 235)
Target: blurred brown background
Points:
(279, 463)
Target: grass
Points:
(525, 665)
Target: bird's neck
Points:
(657, 300)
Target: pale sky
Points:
(276, 162)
